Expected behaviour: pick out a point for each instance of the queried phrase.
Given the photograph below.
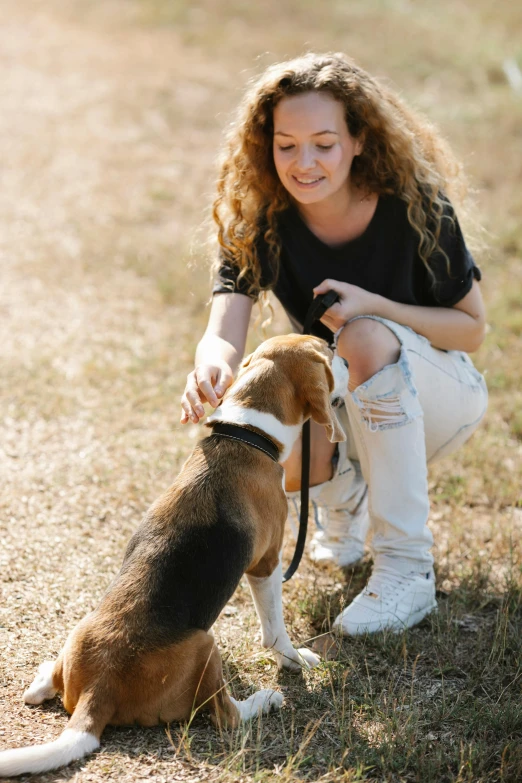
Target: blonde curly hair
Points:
(403, 154)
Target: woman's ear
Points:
(359, 144)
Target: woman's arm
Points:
(458, 328)
(218, 354)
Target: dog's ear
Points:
(321, 409)
(246, 361)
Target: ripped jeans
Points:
(408, 414)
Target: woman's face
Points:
(313, 150)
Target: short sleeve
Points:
(227, 280)
(451, 285)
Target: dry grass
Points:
(111, 117)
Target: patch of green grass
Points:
(452, 489)
(516, 424)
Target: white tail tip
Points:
(69, 746)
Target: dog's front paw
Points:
(312, 659)
(261, 702)
(268, 700)
(297, 660)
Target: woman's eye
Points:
(322, 147)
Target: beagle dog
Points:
(146, 654)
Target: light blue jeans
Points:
(408, 414)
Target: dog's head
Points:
(300, 376)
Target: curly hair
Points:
(403, 154)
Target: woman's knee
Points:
(368, 346)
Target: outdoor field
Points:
(112, 115)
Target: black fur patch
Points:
(192, 571)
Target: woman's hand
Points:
(207, 383)
(353, 301)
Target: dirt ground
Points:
(111, 117)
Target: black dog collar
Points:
(255, 439)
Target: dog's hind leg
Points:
(224, 709)
(267, 592)
(228, 712)
(44, 685)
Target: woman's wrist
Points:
(214, 350)
(381, 307)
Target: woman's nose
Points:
(305, 158)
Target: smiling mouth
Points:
(307, 181)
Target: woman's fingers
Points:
(206, 378)
(187, 412)
(205, 384)
(322, 288)
(192, 401)
(224, 380)
(330, 285)
(192, 409)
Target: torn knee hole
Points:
(379, 414)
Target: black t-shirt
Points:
(383, 260)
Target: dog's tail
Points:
(82, 736)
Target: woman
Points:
(330, 182)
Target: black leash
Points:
(316, 310)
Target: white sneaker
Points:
(390, 600)
(342, 534)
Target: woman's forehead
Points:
(312, 112)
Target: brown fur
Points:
(127, 684)
(112, 668)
